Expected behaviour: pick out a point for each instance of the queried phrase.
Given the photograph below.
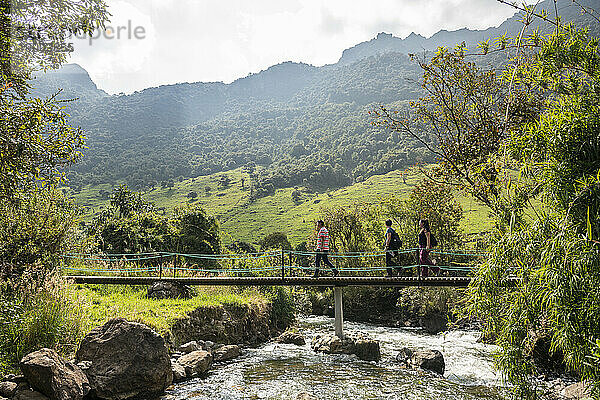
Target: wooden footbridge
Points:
(276, 268)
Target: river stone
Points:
(29, 395)
(55, 377)
(290, 337)
(195, 363)
(168, 290)
(577, 391)
(431, 360)
(178, 372)
(367, 349)
(227, 352)
(305, 396)
(8, 388)
(128, 359)
(208, 345)
(189, 347)
(364, 347)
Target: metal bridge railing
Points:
(269, 263)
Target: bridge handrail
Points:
(274, 253)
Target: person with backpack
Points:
(426, 242)
(391, 246)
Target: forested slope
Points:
(308, 125)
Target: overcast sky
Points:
(222, 40)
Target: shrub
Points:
(282, 307)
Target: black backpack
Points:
(395, 242)
(432, 240)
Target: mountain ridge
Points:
(296, 123)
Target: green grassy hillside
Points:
(242, 219)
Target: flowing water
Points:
(281, 371)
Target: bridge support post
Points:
(339, 312)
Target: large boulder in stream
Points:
(359, 344)
(226, 352)
(47, 372)
(124, 360)
(430, 360)
(291, 337)
(196, 363)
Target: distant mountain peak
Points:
(384, 35)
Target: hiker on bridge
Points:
(391, 246)
(426, 242)
(322, 249)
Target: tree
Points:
(427, 200)
(125, 202)
(462, 120)
(35, 35)
(36, 231)
(275, 240)
(555, 250)
(240, 246)
(35, 138)
(345, 226)
(194, 231)
(133, 225)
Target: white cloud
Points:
(222, 40)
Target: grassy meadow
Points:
(241, 219)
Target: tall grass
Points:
(36, 316)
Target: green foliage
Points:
(132, 225)
(239, 246)
(558, 298)
(424, 301)
(552, 250)
(560, 151)
(275, 240)
(36, 229)
(460, 120)
(193, 231)
(36, 141)
(427, 200)
(35, 34)
(282, 307)
(125, 202)
(346, 227)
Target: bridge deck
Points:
(279, 281)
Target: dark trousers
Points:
(425, 261)
(389, 255)
(388, 262)
(322, 255)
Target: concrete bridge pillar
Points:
(339, 312)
